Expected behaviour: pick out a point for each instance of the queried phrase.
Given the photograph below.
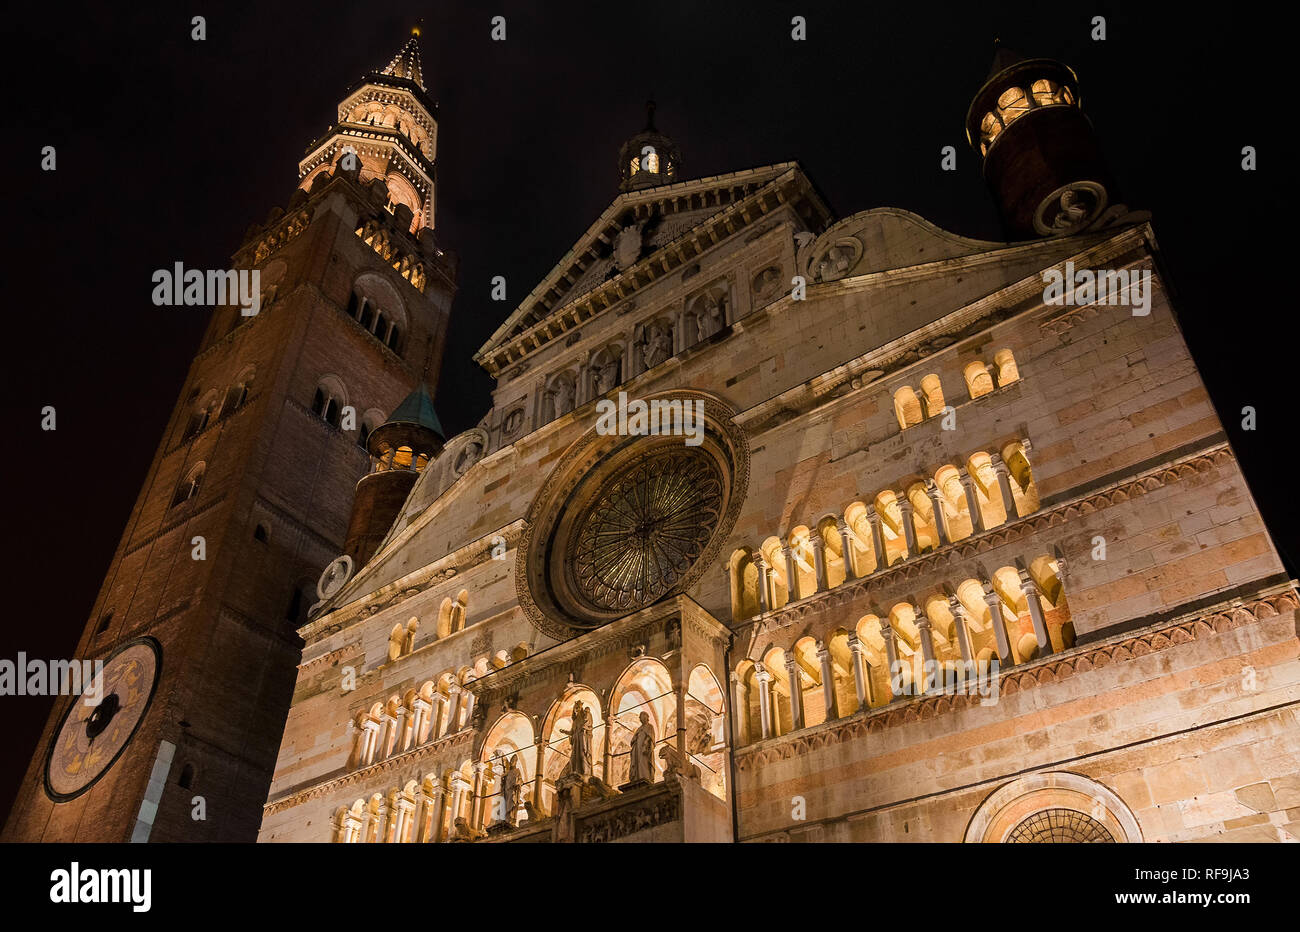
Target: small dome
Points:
(649, 158)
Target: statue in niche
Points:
(512, 785)
(563, 397)
(657, 346)
(711, 319)
(606, 377)
(579, 741)
(468, 455)
(642, 768)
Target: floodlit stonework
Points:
(913, 461)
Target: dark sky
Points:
(169, 148)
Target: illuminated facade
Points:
(913, 469)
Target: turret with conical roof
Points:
(399, 448)
(1041, 157)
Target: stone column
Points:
(1029, 589)
(926, 635)
(763, 586)
(369, 742)
(861, 671)
(936, 502)
(540, 745)
(791, 574)
(794, 680)
(441, 716)
(740, 705)
(405, 812)
(467, 700)
(429, 814)
(390, 737)
(819, 560)
(959, 623)
(458, 787)
(476, 803)
(764, 700)
(994, 602)
(972, 502)
(846, 545)
(909, 529)
(891, 654)
(419, 729)
(1004, 485)
(828, 681)
(403, 723)
(877, 538)
(452, 723)
(381, 824)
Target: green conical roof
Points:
(417, 409)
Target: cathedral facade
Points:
(785, 527)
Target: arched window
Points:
(932, 395)
(189, 486)
(367, 318)
(1005, 365)
(329, 400)
(1012, 104)
(978, 381)
(744, 585)
(261, 534)
(186, 779)
(907, 407)
(103, 624)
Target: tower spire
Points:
(406, 63)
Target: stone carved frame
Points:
(584, 466)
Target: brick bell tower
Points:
(249, 494)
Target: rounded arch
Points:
(862, 556)
(706, 740)
(805, 567)
(644, 687)
(743, 576)
(555, 738)
(907, 407)
(510, 742)
(978, 380)
(1002, 817)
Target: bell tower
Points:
(1040, 155)
(249, 494)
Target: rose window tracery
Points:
(645, 528)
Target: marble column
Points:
(763, 584)
(1029, 589)
(828, 681)
(794, 680)
(740, 703)
(959, 624)
(936, 502)
(791, 575)
(994, 602)
(1004, 486)
(926, 635)
(877, 539)
(861, 671)
(846, 547)
(891, 654)
(972, 502)
(764, 700)
(909, 528)
(818, 545)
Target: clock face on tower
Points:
(99, 724)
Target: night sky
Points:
(169, 148)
